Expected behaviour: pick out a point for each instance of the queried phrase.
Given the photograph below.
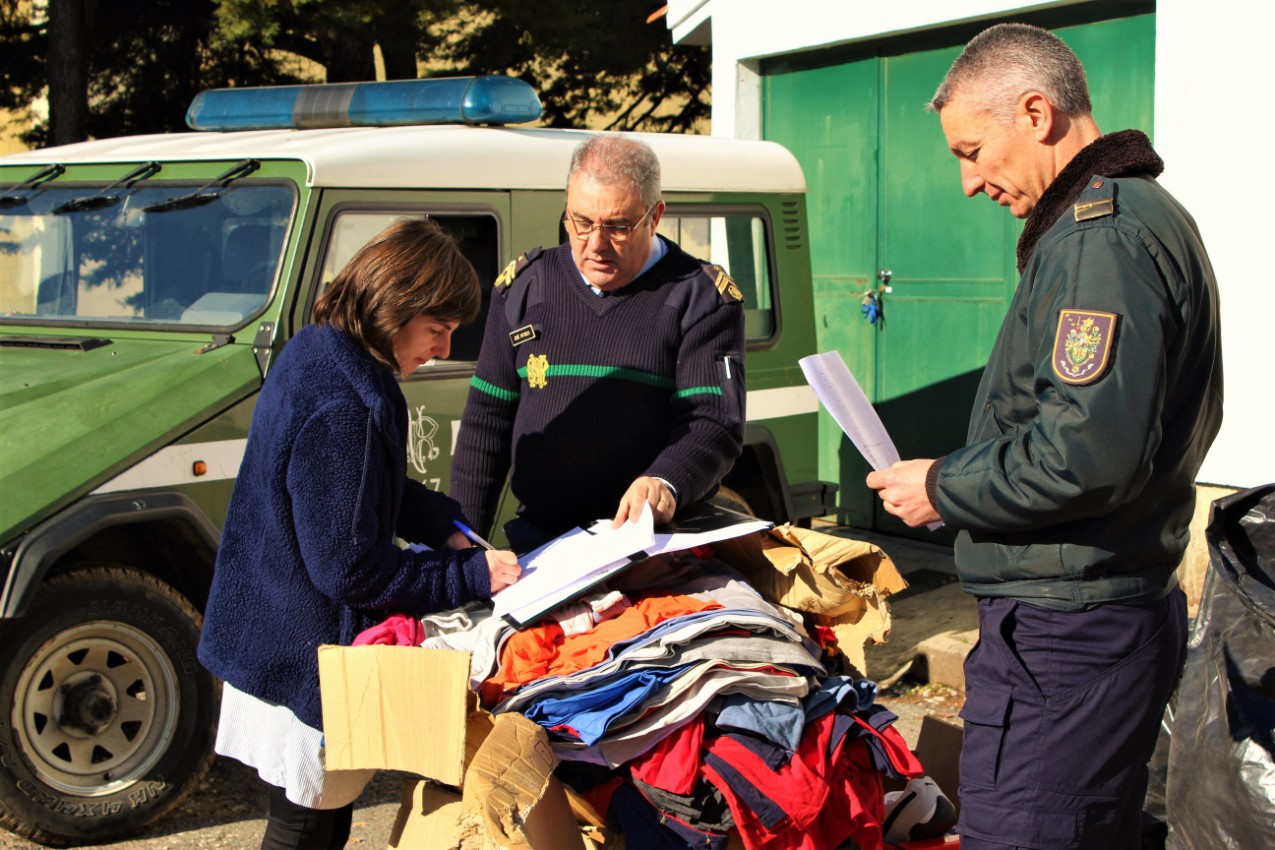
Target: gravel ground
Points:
(227, 812)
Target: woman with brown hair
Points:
(309, 553)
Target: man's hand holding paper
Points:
(901, 487)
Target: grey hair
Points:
(612, 158)
(1004, 62)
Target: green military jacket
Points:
(1101, 397)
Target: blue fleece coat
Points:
(308, 555)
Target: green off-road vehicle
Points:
(146, 284)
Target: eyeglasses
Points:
(613, 232)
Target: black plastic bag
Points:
(1220, 789)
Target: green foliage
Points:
(23, 44)
(339, 35)
(596, 64)
(146, 59)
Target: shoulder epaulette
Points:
(1089, 208)
(723, 283)
(517, 267)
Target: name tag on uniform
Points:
(526, 333)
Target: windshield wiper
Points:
(199, 197)
(13, 199)
(102, 199)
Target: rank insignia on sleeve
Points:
(516, 267)
(1084, 345)
(725, 285)
(507, 276)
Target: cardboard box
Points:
(938, 746)
(511, 794)
(396, 708)
(428, 818)
(840, 582)
(410, 709)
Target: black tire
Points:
(109, 718)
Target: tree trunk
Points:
(348, 57)
(398, 32)
(67, 64)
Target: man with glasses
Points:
(611, 373)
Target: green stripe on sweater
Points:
(492, 390)
(588, 370)
(690, 391)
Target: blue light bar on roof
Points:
(440, 100)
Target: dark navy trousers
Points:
(1061, 714)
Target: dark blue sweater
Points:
(308, 554)
(645, 380)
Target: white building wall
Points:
(1211, 73)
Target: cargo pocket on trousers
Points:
(984, 714)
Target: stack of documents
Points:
(568, 566)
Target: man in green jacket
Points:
(1074, 493)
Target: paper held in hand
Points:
(845, 400)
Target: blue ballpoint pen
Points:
(469, 532)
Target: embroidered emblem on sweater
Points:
(537, 370)
(1083, 345)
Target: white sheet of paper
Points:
(574, 560)
(676, 542)
(845, 400)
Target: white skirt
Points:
(284, 751)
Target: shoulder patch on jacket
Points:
(516, 267)
(1084, 345)
(723, 283)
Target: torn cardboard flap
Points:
(811, 571)
(512, 794)
(845, 560)
(428, 818)
(395, 708)
(841, 582)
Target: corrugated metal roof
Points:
(447, 157)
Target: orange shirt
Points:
(543, 650)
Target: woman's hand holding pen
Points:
(502, 565)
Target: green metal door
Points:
(887, 215)
(829, 119)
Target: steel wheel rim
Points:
(59, 705)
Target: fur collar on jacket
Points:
(1121, 154)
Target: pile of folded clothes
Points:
(688, 706)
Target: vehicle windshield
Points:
(79, 254)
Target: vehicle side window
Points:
(476, 234)
(738, 243)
